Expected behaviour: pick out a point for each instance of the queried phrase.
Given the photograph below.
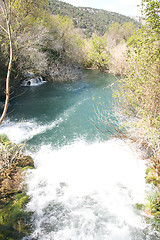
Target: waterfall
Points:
(88, 192)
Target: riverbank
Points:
(14, 221)
(153, 178)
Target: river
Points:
(86, 183)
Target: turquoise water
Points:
(64, 112)
(86, 183)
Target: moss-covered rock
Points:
(140, 206)
(13, 218)
(153, 206)
(3, 138)
(12, 163)
(152, 177)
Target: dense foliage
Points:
(24, 17)
(50, 45)
(139, 93)
(42, 43)
(89, 19)
(98, 57)
(108, 52)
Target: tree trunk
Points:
(7, 15)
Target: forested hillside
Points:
(89, 19)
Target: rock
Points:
(12, 164)
(15, 222)
(26, 161)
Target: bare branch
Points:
(4, 29)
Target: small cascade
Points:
(32, 82)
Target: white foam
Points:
(87, 191)
(25, 130)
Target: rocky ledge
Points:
(13, 218)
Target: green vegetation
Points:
(19, 18)
(153, 195)
(14, 221)
(57, 46)
(108, 53)
(51, 46)
(90, 20)
(41, 43)
(140, 93)
(98, 57)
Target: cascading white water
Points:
(85, 185)
(87, 192)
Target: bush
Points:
(4, 138)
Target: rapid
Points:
(86, 183)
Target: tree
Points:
(140, 90)
(151, 11)
(127, 30)
(69, 39)
(6, 10)
(18, 16)
(113, 34)
(98, 55)
(139, 95)
(118, 33)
